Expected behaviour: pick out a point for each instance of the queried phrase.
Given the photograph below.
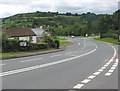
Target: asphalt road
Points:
(87, 64)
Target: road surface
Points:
(87, 64)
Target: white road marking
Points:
(115, 65)
(108, 63)
(84, 46)
(117, 60)
(110, 71)
(78, 43)
(44, 65)
(96, 73)
(78, 86)
(100, 70)
(113, 68)
(56, 55)
(103, 67)
(86, 81)
(91, 77)
(108, 74)
(30, 60)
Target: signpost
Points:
(23, 44)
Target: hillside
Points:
(60, 24)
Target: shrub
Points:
(57, 44)
(49, 40)
(37, 46)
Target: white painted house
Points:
(22, 34)
(39, 33)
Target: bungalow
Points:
(39, 33)
(21, 34)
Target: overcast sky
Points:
(11, 7)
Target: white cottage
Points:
(39, 33)
(22, 34)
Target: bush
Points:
(57, 44)
(49, 40)
(40, 46)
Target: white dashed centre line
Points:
(56, 55)
(30, 60)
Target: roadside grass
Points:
(109, 40)
(62, 39)
(12, 54)
(63, 42)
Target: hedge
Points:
(114, 36)
(13, 45)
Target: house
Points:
(21, 34)
(39, 33)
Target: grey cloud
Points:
(73, 6)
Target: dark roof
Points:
(19, 32)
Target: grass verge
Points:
(12, 54)
(63, 42)
(62, 39)
(109, 40)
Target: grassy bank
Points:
(109, 40)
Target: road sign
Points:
(23, 44)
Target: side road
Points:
(61, 48)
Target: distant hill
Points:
(55, 22)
